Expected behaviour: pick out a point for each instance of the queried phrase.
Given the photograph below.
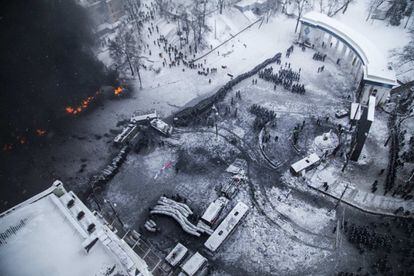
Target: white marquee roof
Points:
(376, 67)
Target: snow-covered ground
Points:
(172, 88)
(258, 247)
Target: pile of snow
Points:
(325, 143)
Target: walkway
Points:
(365, 201)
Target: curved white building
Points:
(351, 49)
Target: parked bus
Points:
(226, 226)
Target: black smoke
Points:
(46, 63)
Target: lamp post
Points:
(113, 210)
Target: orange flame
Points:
(118, 91)
(69, 109)
(84, 104)
(40, 132)
(7, 147)
(22, 140)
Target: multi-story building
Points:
(104, 13)
(54, 233)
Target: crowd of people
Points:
(263, 116)
(262, 112)
(171, 55)
(363, 236)
(285, 76)
(319, 56)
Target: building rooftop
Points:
(45, 234)
(376, 66)
(193, 264)
(245, 3)
(306, 162)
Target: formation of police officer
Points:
(285, 76)
(263, 116)
(363, 236)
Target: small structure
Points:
(325, 144)
(230, 188)
(356, 111)
(213, 211)
(380, 10)
(105, 14)
(194, 265)
(257, 6)
(226, 226)
(341, 113)
(161, 126)
(127, 134)
(237, 167)
(176, 255)
(144, 118)
(362, 130)
(130, 132)
(305, 164)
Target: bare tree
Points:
(165, 7)
(409, 13)
(284, 3)
(198, 23)
(125, 49)
(332, 7)
(301, 6)
(133, 9)
(405, 56)
(220, 4)
(272, 8)
(373, 5)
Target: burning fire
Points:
(69, 109)
(78, 109)
(7, 147)
(22, 140)
(118, 91)
(40, 132)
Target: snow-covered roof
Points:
(246, 3)
(371, 108)
(376, 68)
(214, 209)
(138, 118)
(355, 107)
(226, 227)
(194, 264)
(304, 163)
(51, 234)
(177, 254)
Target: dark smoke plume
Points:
(46, 63)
